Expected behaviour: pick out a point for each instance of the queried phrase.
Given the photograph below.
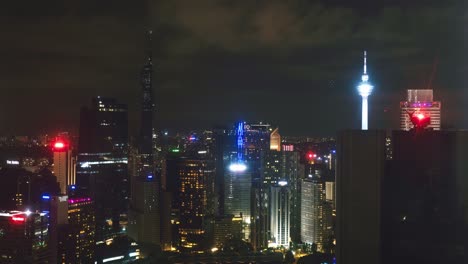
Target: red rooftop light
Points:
(59, 145)
(18, 219)
(420, 120)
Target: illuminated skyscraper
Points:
(420, 101)
(76, 237)
(64, 164)
(285, 165)
(365, 89)
(238, 197)
(238, 183)
(280, 220)
(102, 163)
(275, 140)
(196, 179)
(316, 209)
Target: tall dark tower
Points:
(147, 103)
(144, 217)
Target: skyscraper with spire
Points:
(144, 217)
(365, 89)
(147, 102)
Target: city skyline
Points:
(230, 131)
(274, 68)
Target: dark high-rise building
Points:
(144, 224)
(409, 209)
(225, 229)
(102, 163)
(145, 214)
(147, 104)
(24, 237)
(220, 140)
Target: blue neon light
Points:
(45, 197)
(73, 187)
(149, 177)
(240, 141)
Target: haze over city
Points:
(218, 61)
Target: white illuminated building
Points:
(280, 221)
(365, 89)
(237, 199)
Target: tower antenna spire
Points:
(365, 62)
(365, 89)
(149, 42)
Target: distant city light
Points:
(149, 177)
(202, 152)
(78, 200)
(112, 259)
(73, 187)
(45, 197)
(237, 167)
(175, 150)
(28, 212)
(282, 183)
(88, 164)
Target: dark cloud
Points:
(220, 60)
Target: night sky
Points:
(293, 63)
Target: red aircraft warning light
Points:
(59, 145)
(420, 120)
(310, 156)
